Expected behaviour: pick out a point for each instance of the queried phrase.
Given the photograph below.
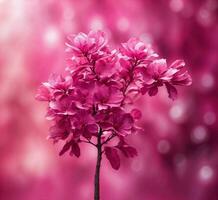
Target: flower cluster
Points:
(89, 104)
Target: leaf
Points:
(75, 150)
(65, 148)
(113, 157)
(127, 150)
(153, 91)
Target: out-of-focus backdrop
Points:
(178, 152)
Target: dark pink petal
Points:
(172, 92)
(90, 130)
(125, 64)
(113, 157)
(61, 129)
(86, 134)
(127, 122)
(116, 96)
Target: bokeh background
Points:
(178, 152)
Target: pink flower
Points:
(43, 94)
(107, 95)
(60, 130)
(134, 57)
(158, 73)
(122, 122)
(64, 106)
(116, 120)
(81, 43)
(137, 50)
(86, 49)
(56, 87)
(90, 103)
(181, 77)
(107, 65)
(83, 124)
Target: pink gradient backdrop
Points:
(178, 153)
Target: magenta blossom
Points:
(136, 50)
(86, 49)
(158, 73)
(90, 104)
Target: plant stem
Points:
(98, 166)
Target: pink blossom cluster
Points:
(92, 99)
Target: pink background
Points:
(178, 153)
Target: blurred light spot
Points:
(51, 37)
(96, 23)
(162, 125)
(206, 173)
(180, 162)
(176, 112)
(36, 160)
(123, 24)
(179, 159)
(212, 4)
(209, 118)
(163, 146)
(176, 5)
(204, 17)
(199, 134)
(116, 182)
(207, 80)
(5, 116)
(146, 38)
(85, 191)
(68, 13)
(137, 165)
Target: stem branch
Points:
(98, 166)
(88, 141)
